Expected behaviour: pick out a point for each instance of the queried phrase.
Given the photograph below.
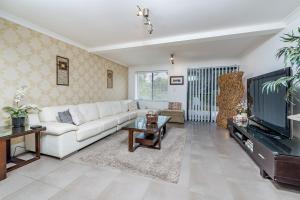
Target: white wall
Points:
(263, 60)
(176, 93)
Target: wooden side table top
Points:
(8, 132)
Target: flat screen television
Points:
(269, 110)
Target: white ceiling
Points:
(111, 28)
(184, 53)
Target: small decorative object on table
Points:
(241, 109)
(151, 117)
(18, 113)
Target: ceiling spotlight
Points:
(145, 14)
(172, 59)
(139, 12)
(150, 29)
(147, 22)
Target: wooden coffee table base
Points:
(139, 139)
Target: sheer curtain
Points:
(203, 90)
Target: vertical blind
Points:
(203, 90)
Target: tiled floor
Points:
(214, 167)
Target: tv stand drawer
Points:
(264, 158)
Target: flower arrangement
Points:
(241, 107)
(19, 112)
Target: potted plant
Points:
(18, 113)
(291, 55)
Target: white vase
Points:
(244, 114)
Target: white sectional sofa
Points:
(94, 121)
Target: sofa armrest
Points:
(57, 128)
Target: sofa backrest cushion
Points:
(124, 105)
(65, 117)
(105, 108)
(50, 114)
(77, 117)
(132, 106)
(116, 106)
(88, 111)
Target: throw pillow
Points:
(132, 106)
(65, 117)
(174, 106)
(76, 116)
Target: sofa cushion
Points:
(57, 128)
(109, 122)
(77, 117)
(89, 111)
(105, 109)
(116, 106)
(89, 129)
(92, 128)
(122, 117)
(50, 114)
(132, 106)
(65, 117)
(124, 105)
(132, 114)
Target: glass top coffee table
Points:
(142, 135)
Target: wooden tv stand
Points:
(278, 159)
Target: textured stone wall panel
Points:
(231, 94)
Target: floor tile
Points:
(249, 190)
(92, 183)
(163, 191)
(41, 167)
(66, 195)
(64, 175)
(13, 183)
(207, 182)
(34, 191)
(126, 187)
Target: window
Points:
(152, 85)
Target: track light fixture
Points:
(172, 59)
(145, 14)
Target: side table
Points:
(6, 134)
(177, 116)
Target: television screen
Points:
(269, 109)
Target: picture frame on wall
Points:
(176, 80)
(110, 79)
(62, 71)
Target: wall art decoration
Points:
(62, 71)
(176, 80)
(110, 79)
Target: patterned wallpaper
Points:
(29, 58)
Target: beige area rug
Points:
(112, 151)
